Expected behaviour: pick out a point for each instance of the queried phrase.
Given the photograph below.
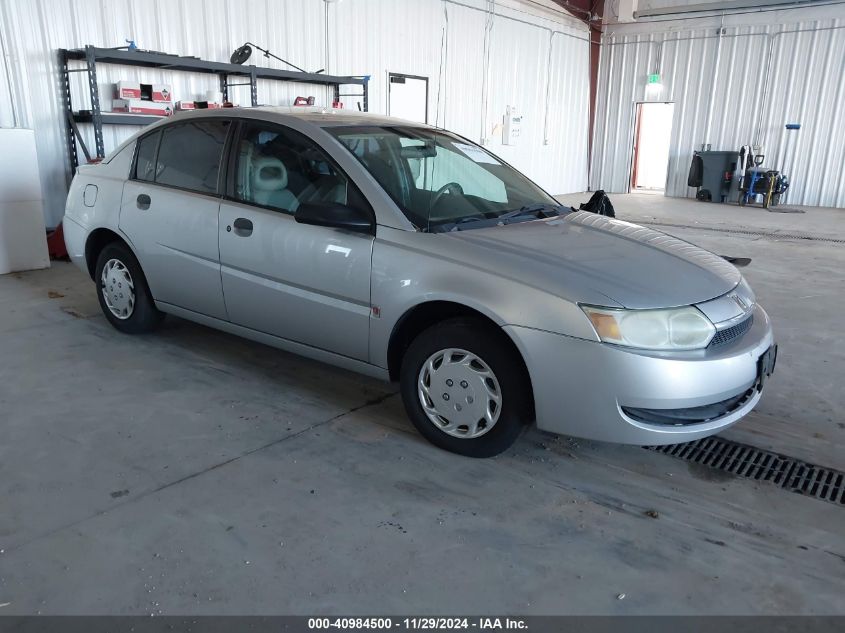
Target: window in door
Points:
(189, 155)
(281, 169)
(146, 161)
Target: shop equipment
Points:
(712, 172)
(760, 181)
(242, 53)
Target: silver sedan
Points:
(411, 254)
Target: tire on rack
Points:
(465, 388)
(122, 291)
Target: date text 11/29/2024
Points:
(421, 623)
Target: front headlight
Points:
(672, 329)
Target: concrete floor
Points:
(193, 472)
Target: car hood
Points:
(586, 257)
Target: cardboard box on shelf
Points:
(162, 93)
(127, 90)
(159, 93)
(137, 106)
(202, 105)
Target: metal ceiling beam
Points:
(582, 9)
(720, 5)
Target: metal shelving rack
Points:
(92, 55)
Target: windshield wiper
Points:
(458, 225)
(539, 210)
(473, 218)
(542, 210)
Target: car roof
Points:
(317, 116)
(311, 115)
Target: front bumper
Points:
(581, 387)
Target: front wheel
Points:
(465, 389)
(122, 291)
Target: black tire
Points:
(491, 346)
(144, 316)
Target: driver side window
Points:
(281, 169)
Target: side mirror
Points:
(334, 215)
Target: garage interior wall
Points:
(715, 70)
(480, 57)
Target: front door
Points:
(169, 212)
(304, 283)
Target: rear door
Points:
(304, 283)
(170, 213)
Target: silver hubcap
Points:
(118, 289)
(459, 393)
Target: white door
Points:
(408, 97)
(651, 146)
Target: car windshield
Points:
(442, 182)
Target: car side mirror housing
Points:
(334, 215)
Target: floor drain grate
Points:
(747, 461)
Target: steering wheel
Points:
(450, 187)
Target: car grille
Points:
(690, 415)
(723, 337)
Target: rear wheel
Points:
(122, 291)
(465, 388)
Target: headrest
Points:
(268, 174)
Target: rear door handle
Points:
(243, 227)
(143, 201)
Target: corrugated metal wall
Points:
(719, 85)
(7, 114)
(443, 40)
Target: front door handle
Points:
(243, 227)
(143, 202)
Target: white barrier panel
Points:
(23, 237)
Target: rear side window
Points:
(190, 154)
(145, 165)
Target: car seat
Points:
(269, 181)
